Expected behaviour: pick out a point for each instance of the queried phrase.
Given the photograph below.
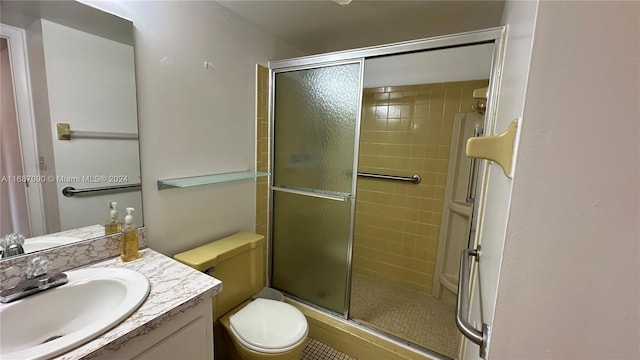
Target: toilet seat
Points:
(269, 326)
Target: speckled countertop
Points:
(174, 288)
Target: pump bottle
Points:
(129, 247)
(113, 224)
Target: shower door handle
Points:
(479, 337)
(323, 194)
(472, 174)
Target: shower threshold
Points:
(360, 333)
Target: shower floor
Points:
(408, 314)
(315, 350)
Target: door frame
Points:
(273, 71)
(21, 80)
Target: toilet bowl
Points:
(256, 320)
(266, 329)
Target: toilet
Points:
(258, 322)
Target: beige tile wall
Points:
(262, 149)
(405, 130)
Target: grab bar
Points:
(70, 191)
(472, 174)
(462, 303)
(416, 179)
(65, 133)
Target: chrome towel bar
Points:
(416, 179)
(71, 191)
(65, 133)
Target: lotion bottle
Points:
(113, 224)
(129, 247)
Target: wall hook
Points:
(208, 65)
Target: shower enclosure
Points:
(354, 231)
(315, 132)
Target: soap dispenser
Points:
(113, 224)
(129, 248)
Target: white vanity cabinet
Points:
(186, 335)
(174, 322)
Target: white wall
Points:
(195, 121)
(428, 67)
(569, 285)
(40, 97)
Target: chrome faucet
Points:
(37, 281)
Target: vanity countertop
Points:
(174, 288)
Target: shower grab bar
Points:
(472, 174)
(462, 304)
(70, 191)
(322, 194)
(416, 179)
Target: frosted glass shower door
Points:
(315, 123)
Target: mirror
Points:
(64, 62)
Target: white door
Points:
(495, 195)
(19, 80)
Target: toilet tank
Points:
(237, 260)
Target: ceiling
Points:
(323, 26)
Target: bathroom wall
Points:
(405, 130)
(196, 120)
(41, 115)
(570, 276)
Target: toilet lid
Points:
(269, 326)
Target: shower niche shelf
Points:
(185, 182)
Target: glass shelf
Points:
(186, 182)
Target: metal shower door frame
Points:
(273, 70)
(491, 35)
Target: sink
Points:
(45, 242)
(55, 321)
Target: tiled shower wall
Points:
(262, 149)
(405, 130)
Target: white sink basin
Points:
(46, 242)
(57, 320)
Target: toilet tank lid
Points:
(269, 325)
(207, 256)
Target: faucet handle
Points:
(11, 239)
(12, 250)
(38, 266)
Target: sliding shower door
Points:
(315, 119)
